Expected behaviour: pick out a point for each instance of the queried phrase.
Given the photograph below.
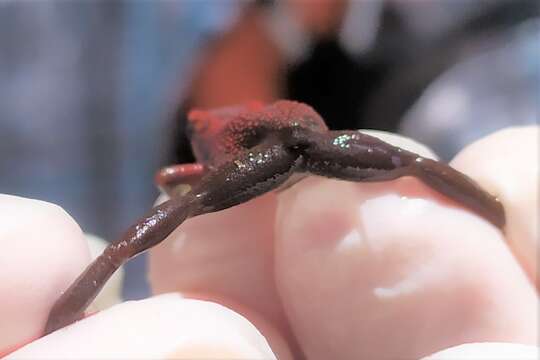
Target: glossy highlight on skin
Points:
(244, 152)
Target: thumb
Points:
(393, 270)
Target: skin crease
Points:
(322, 276)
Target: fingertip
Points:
(161, 327)
(390, 270)
(44, 250)
(506, 164)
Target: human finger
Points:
(43, 251)
(511, 173)
(227, 257)
(394, 270)
(163, 327)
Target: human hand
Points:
(44, 251)
(374, 271)
(345, 270)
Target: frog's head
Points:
(206, 128)
(231, 130)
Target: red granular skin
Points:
(206, 122)
(222, 133)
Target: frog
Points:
(245, 151)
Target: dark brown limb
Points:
(260, 171)
(459, 187)
(147, 232)
(351, 155)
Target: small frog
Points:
(244, 152)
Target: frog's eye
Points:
(252, 138)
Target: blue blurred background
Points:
(90, 90)
(85, 90)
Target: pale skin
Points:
(314, 276)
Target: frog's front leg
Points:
(235, 182)
(351, 155)
(178, 179)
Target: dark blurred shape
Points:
(375, 89)
(335, 84)
(470, 35)
(492, 88)
(372, 78)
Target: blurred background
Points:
(93, 94)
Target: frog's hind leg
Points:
(353, 156)
(179, 179)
